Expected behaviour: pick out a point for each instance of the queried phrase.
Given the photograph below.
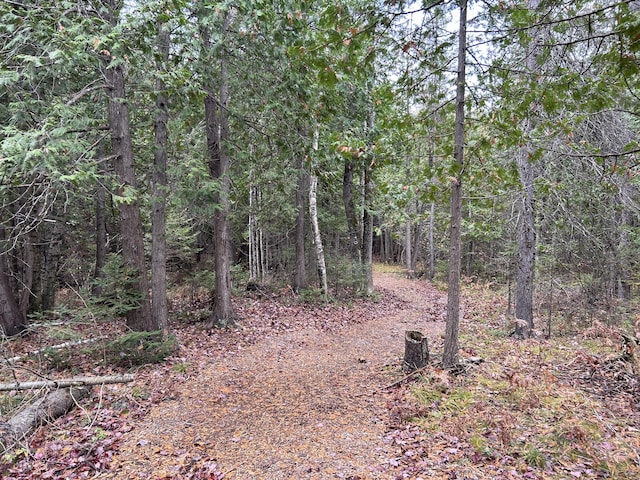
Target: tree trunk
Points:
(416, 250)
(132, 239)
(526, 247)
(12, 321)
(526, 224)
(367, 202)
(350, 211)
(254, 249)
(450, 356)
(50, 253)
(101, 232)
(407, 227)
(217, 127)
(407, 246)
(66, 382)
(313, 214)
(432, 247)
(300, 280)
(159, 219)
(367, 232)
(416, 350)
(624, 255)
(432, 214)
(46, 409)
(27, 273)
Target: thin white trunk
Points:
(313, 213)
(317, 238)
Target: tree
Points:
(526, 220)
(216, 105)
(132, 239)
(450, 355)
(313, 214)
(12, 320)
(158, 236)
(300, 277)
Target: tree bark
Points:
(407, 227)
(408, 246)
(159, 219)
(138, 319)
(46, 409)
(526, 247)
(300, 279)
(66, 382)
(432, 247)
(101, 232)
(416, 350)
(51, 253)
(416, 250)
(367, 231)
(27, 274)
(217, 130)
(350, 211)
(313, 214)
(450, 356)
(526, 225)
(12, 321)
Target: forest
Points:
(182, 181)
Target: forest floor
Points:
(303, 391)
(307, 404)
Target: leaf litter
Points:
(298, 391)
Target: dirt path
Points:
(303, 405)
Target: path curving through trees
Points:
(304, 405)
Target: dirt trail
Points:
(302, 405)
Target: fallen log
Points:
(65, 382)
(56, 347)
(45, 409)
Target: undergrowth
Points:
(531, 410)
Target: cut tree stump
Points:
(416, 350)
(46, 409)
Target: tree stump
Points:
(416, 350)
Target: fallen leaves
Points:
(535, 409)
(297, 392)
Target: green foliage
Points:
(58, 359)
(202, 278)
(8, 404)
(114, 294)
(139, 348)
(346, 277)
(312, 296)
(534, 457)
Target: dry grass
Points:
(534, 408)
